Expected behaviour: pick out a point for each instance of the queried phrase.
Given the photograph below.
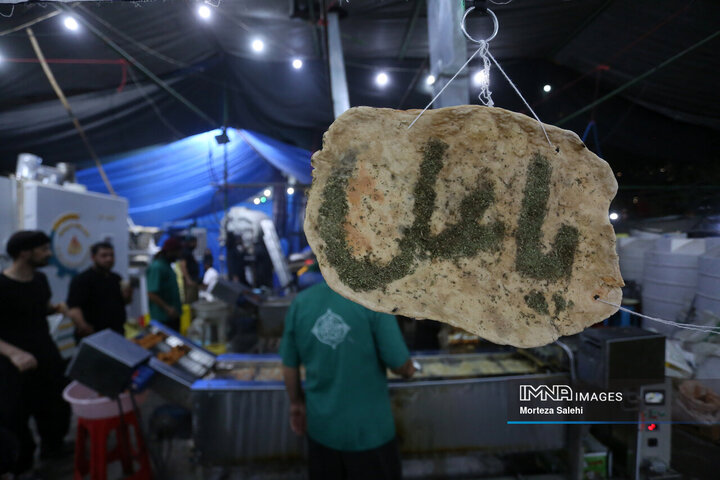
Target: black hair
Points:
(25, 240)
(100, 245)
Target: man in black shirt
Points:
(31, 369)
(97, 298)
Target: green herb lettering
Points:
(463, 239)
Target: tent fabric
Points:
(183, 180)
(211, 64)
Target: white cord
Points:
(521, 97)
(485, 94)
(697, 328)
(444, 87)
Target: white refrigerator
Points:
(74, 220)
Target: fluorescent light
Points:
(297, 64)
(203, 12)
(290, 190)
(481, 78)
(70, 23)
(614, 216)
(256, 201)
(382, 79)
(258, 45)
(547, 88)
(430, 79)
(267, 192)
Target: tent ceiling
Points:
(672, 114)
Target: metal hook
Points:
(495, 26)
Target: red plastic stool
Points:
(98, 431)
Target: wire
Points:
(12, 10)
(148, 99)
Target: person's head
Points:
(207, 260)
(31, 247)
(103, 255)
(171, 249)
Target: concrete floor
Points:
(174, 460)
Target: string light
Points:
(297, 64)
(71, 24)
(267, 192)
(203, 12)
(258, 45)
(263, 199)
(256, 201)
(430, 79)
(290, 190)
(481, 78)
(382, 79)
(547, 88)
(614, 216)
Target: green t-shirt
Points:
(161, 280)
(345, 349)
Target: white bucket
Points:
(87, 403)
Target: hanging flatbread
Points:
(469, 218)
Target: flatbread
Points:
(469, 218)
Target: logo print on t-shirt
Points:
(330, 329)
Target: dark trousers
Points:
(38, 394)
(381, 463)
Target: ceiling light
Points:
(297, 64)
(430, 79)
(267, 192)
(547, 88)
(203, 12)
(481, 78)
(256, 201)
(70, 23)
(614, 216)
(258, 45)
(290, 190)
(382, 79)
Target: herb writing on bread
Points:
(465, 238)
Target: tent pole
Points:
(448, 51)
(66, 104)
(338, 80)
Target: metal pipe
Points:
(571, 358)
(338, 80)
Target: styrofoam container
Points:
(709, 282)
(87, 403)
(670, 279)
(631, 251)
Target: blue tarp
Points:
(181, 180)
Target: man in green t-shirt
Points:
(345, 406)
(162, 286)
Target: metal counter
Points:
(237, 422)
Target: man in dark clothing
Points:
(97, 298)
(31, 369)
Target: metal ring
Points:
(496, 26)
